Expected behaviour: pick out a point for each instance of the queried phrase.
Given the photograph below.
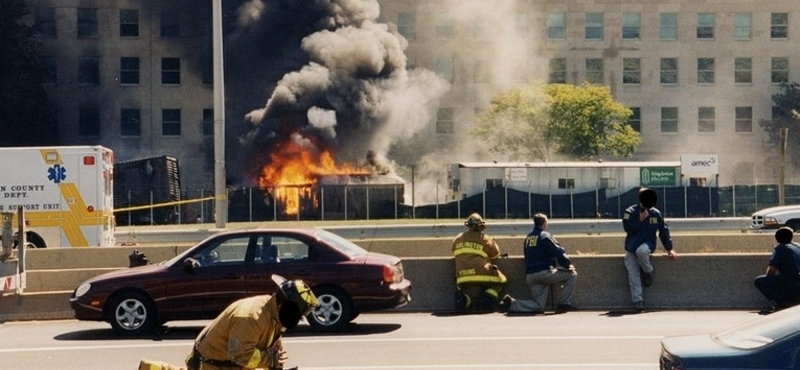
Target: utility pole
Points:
(782, 164)
(220, 186)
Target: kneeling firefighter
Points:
(247, 334)
(478, 279)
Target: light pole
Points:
(220, 187)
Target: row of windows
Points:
(129, 70)
(706, 120)
(594, 29)
(704, 24)
(88, 27)
(631, 70)
(130, 124)
(668, 70)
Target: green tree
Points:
(585, 122)
(514, 124)
(26, 116)
(579, 121)
(786, 115)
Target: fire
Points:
(294, 169)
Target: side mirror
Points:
(190, 265)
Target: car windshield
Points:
(763, 331)
(345, 246)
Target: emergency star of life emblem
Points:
(56, 173)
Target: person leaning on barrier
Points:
(478, 279)
(547, 266)
(781, 282)
(642, 222)
(247, 334)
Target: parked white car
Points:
(775, 217)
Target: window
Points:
(566, 183)
(521, 24)
(88, 121)
(88, 71)
(444, 68)
(705, 25)
(45, 25)
(631, 71)
(635, 120)
(87, 22)
(741, 26)
(130, 122)
(171, 122)
(480, 72)
(630, 25)
(444, 27)
(594, 71)
(668, 26)
(780, 70)
(129, 71)
(411, 63)
(170, 71)
(170, 23)
(705, 70)
(744, 119)
(558, 71)
(556, 26)
(128, 23)
(208, 122)
(705, 119)
(779, 26)
(669, 119)
(594, 26)
(444, 121)
(743, 70)
(407, 25)
(669, 71)
(49, 70)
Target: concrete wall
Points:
(699, 279)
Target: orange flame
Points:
(293, 170)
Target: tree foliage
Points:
(579, 121)
(786, 116)
(514, 124)
(26, 116)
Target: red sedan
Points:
(202, 281)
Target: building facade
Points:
(136, 75)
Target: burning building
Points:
(344, 99)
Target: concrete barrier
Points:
(702, 278)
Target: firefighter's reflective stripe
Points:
(475, 278)
(157, 365)
(255, 359)
(470, 248)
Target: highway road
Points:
(390, 341)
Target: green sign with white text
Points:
(658, 176)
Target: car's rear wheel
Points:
(132, 313)
(334, 312)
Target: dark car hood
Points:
(127, 273)
(693, 346)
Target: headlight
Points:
(82, 289)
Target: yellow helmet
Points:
(474, 219)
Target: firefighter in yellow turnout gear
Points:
(247, 334)
(478, 279)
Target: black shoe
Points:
(505, 303)
(638, 306)
(565, 308)
(647, 278)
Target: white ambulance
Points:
(66, 193)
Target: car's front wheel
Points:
(334, 312)
(132, 313)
